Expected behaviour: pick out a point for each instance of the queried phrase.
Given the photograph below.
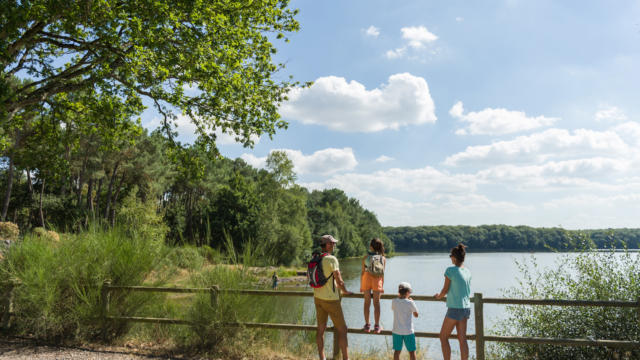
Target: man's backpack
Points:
(376, 265)
(315, 273)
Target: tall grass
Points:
(59, 295)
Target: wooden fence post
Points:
(214, 289)
(336, 344)
(5, 322)
(479, 320)
(638, 309)
(104, 302)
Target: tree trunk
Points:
(7, 194)
(97, 208)
(81, 183)
(109, 189)
(29, 183)
(115, 200)
(90, 196)
(40, 206)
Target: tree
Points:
(211, 60)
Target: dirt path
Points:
(21, 349)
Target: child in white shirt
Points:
(403, 307)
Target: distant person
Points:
(274, 281)
(457, 288)
(403, 308)
(372, 282)
(324, 276)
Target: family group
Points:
(328, 286)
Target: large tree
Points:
(209, 59)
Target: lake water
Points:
(491, 273)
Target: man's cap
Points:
(325, 239)
(404, 285)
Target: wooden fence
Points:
(479, 301)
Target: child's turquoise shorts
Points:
(409, 342)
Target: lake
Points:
(491, 273)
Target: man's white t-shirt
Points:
(403, 310)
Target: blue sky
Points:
(457, 112)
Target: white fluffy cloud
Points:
(349, 107)
(552, 143)
(322, 162)
(611, 113)
(372, 31)
(496, 121)
(416, 38)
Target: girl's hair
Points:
(377, 246)
(403, 292)
(459, 252)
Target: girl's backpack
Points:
(315, 274)
(376, 265)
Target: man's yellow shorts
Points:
(332, 308)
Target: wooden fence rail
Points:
(479, 337)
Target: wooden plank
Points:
(150, 320)
(565, 342)
(554, 302)
(479, 322)
(159, 289)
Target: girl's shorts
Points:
(369, 282)
(458, 314)
(408, 340)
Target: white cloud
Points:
(372, 31)
(459, 19)
(496, 121)
(384, 158)
(322, 162)
(187, 131)
(416, 38)
(538, 147)
(349, 107)
(611, 113)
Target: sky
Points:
(465, 113)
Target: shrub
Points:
(186, 257)
(9, 231)
(589, 275)
(141, 218)
(60, 293)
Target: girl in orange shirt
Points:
(372, 281)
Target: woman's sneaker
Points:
(367, 327)
(377, 329)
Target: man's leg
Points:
(321, 319)
(340, 325)
(396, 355)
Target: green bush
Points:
(59, 295)
(589, 275)
(185, 257)
(141, 218)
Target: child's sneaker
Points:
(367, 327)
(377, 329)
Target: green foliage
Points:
(588, 275)
(154, 49)
(141, 218)
(59, 295)
(332, 212)
(504, 237)
(186, 257)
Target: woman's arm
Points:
(445, 288)
(363, 267)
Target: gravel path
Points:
(20, 349)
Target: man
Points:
(327, 299)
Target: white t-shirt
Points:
(403, 310)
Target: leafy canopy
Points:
(209, 59)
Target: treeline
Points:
(66, 177)
(504, 238)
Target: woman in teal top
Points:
(457, 288)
